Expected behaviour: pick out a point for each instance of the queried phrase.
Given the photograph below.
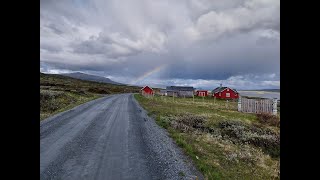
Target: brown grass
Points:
(269, 119)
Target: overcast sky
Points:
(200, 43)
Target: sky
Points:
(199, 43)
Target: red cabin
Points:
(225, 93)
(202, 93)
(147, 90)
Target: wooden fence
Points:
(257, 105)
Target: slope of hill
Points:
(64, 83)
(59, 93)
(89, 77)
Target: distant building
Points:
(202, 93)
(146, 90)
(180, 91)
(163, 92)
(225, 93)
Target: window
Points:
(219, 93)
(227, 89)
(227, 94)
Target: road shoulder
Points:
(173, 161)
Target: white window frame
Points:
(227, 94)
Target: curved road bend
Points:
(109, 138)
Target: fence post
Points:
(173, 96)
(239, 104)
(274, 109)
(193, 98)
(227, 107)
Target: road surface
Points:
(109, 138)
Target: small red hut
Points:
(225, 93)
(202, 93)
(147, 90)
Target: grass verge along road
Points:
(223, 143)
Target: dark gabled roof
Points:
(235, 90)
(220, 89)
(180, 88)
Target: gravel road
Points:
(109, 138)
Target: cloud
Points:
(115, 45)
(246, 17)
(239, 82)
(204, 40)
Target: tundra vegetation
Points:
(222, 142)
(59, 93)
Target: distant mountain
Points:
(89, 77)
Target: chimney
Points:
(221, 85)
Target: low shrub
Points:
(98, 91)
(51, 101)
(195, 121)
(79, 92)
(163, 121)
(268, 119)
(236, 132)
(239, 132)
(188, 122)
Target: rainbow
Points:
(147, 74)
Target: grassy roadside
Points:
(63, 83)
(59, 93)
(53, 102)
(223, 143)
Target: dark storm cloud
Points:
(190, 39)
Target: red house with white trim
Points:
(225, 93)
(147, 90)
(202, 93)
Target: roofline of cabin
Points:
(145, 87)
(225, 89)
